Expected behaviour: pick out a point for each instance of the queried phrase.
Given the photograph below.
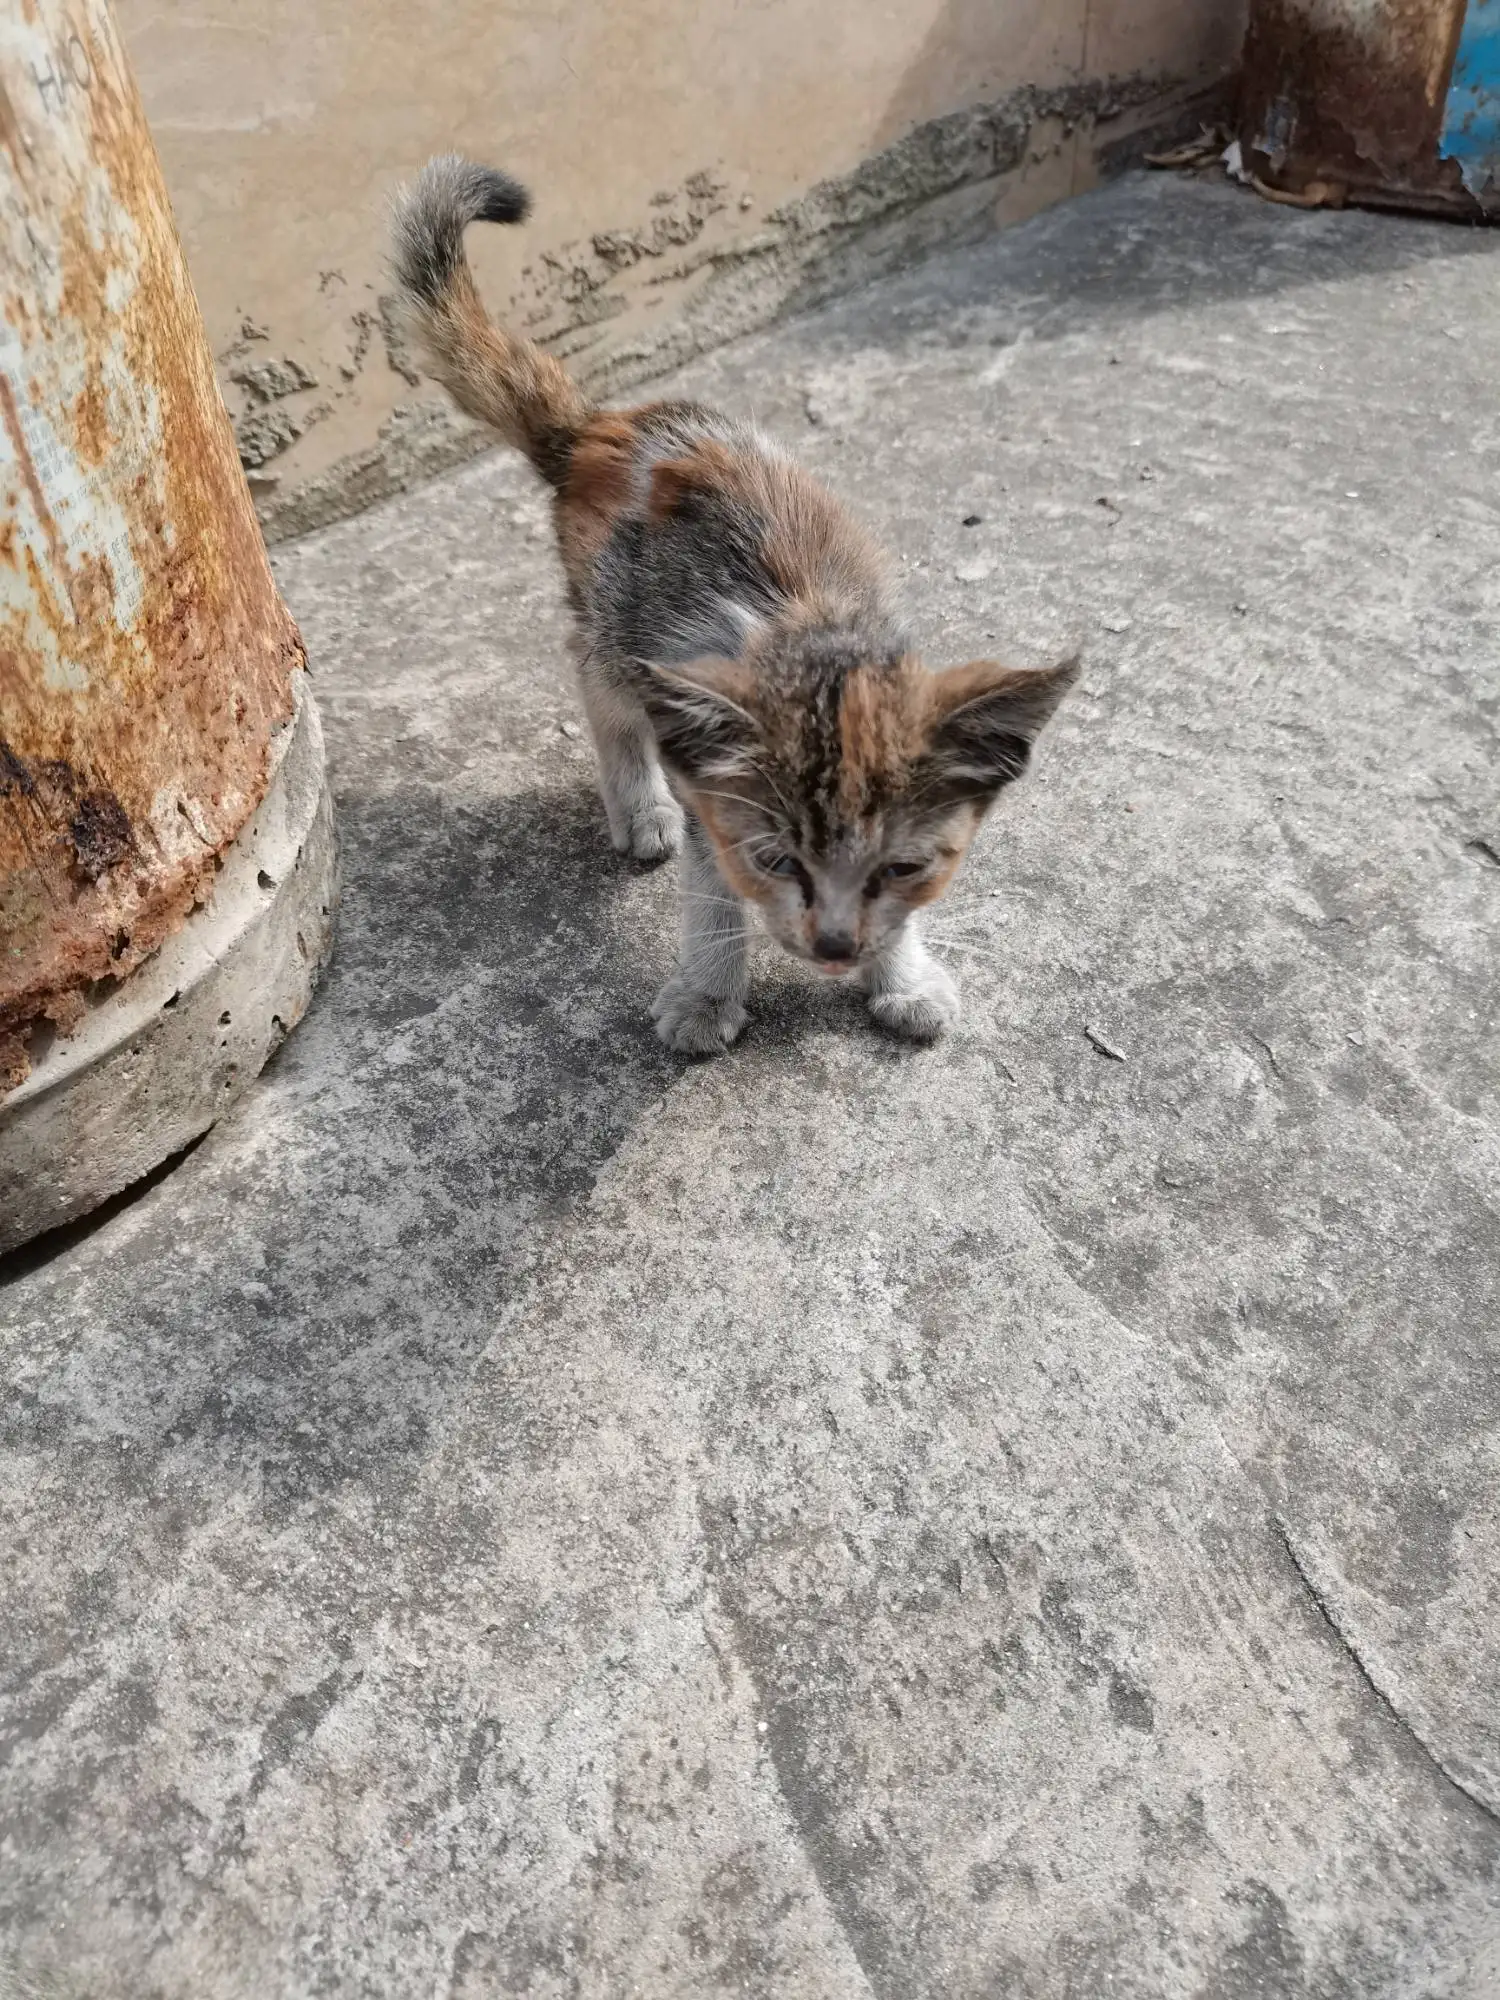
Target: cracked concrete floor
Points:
(511, 1513)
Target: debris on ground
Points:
(1104, 1046)
(1214, 147)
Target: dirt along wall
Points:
(695, 170)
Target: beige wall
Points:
(666, 145)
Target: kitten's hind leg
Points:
(645, 821)
(701, 1008)
(909, 991)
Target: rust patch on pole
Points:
(1353, 94)
(145, 657)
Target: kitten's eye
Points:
(783, 864)
(902, 871)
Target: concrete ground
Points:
(512, 1513)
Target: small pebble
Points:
(972, 520)
(570, 730)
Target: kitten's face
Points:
(837, 901)
(841, 798)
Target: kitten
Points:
(737, 660)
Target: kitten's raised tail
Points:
(509, 383)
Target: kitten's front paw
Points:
(694, 1023)
(652, 833)
(922, 1011)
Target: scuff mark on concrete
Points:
(363, 324)
(295, 1723)
(1330, 1618)
(266, 427)
(804, 1795)
(270, 381)
(398, 355)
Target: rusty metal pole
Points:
(166, 851)
(1388, 103)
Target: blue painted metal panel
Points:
(1471, 119)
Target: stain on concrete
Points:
(266, 427)
(398, 355)
(270, 381)
(1266, 1962)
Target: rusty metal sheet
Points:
(145, 658)
(1355, 94)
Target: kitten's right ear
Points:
(985, 719)
(702, 718)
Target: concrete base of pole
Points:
(167, 1052)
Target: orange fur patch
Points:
(707, 468)
(936, 884)
(596, 490)
(880, 731)
(813, 550)
(523, 392)
(956, 687)
(742, 879)
(1037, 688)
(733, 679)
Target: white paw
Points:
(694, 1023)
(922, 1011)
(652, 833)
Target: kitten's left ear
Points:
(985, 718)
(701, 715)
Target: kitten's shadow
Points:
(479, 1047)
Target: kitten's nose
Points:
(834, 947)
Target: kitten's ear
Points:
(985, 718)
(701, 715)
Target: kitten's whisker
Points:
(751, 840)
(734, 798)
(962, 944)
(739, 799)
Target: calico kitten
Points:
(752, 701)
